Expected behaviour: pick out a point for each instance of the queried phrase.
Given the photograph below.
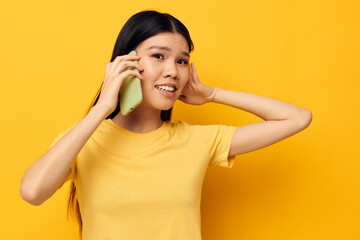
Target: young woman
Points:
(140, 176)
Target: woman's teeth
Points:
(166, 88)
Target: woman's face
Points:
(165, 60)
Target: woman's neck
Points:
(140, 120)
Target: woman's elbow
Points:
(30, 195)
(305, 118)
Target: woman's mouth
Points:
(166, 90)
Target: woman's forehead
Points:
(166, 41)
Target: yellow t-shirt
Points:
(136, 186)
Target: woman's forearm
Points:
(42, 179)
(264, 107)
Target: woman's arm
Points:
(48, 173)
(42, 179)
(282, 119)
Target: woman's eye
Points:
(183, 62)
(158, 56)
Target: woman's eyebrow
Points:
(166, 49)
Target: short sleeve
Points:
(72, 175)
(221, 138)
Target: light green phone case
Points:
(130, 95)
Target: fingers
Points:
(122, 67)
(125, 65)
(115, 74)
(130, 72)
(127, 58)
(194, 76)
(124, 59)
(182, 98)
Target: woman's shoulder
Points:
(203, 131)
(181, 124)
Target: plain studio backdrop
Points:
(53, 57)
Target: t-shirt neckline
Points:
(163, 128)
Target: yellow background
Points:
(53, 56)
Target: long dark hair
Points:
(137, 29)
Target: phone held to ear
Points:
(130, 94)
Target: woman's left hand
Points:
(196, 93)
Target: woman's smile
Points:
(166, 90)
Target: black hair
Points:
(137, 29)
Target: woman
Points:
(140, 176)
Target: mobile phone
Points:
(130, 94)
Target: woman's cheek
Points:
(186, 78)
(148, 68)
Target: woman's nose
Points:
(171, 70)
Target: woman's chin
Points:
(158, 105)
(165, 108)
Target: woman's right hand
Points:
(114, 77)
